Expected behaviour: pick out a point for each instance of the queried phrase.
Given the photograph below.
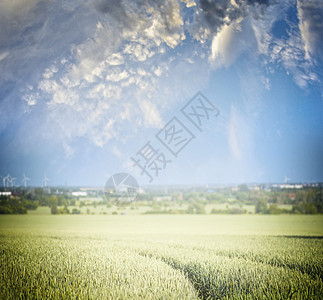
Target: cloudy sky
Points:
(86, 86)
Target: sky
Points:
(169, 91)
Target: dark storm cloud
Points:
(115, 9)
(31, 35)
(217, 13)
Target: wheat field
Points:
(161, 257)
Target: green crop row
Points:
(42, 268)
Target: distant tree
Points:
(274, 209)
(54, 210)
(310, 196)
(4, 210)
(301, 197)
(196, 208)
(31, 205)
(52, 201)
(243, 188)
(318, 201)
(261, 206)
(65, 210)
(75, 211)
(310, 208)
(61, 200)
(39, 195)
(242, 196)
(235, 211)
(308, 202)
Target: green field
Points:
(161, 257)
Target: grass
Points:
(161, 257)
(41, 210)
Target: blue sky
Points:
(85, 85)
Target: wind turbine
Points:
(7, 180)
(25, 179)
(286, 179)
(13, 179)
(45, 181)
(4, 179)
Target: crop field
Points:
(161, 257)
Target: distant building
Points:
(164, 198)
(79, 194)
(254, 188)
(288, 186)
(291, 196)
(291, 186)
(5, 193)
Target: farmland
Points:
(161, 256)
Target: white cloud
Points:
(102, 137)
(123, 65)
(238, 36)
(83, 84)
(310, 14)
(117, 76)
(69, 151)
(17, 7)
(239, 135)
(60, 94)
(3, 55)
(49, 72)
(116, 151)
(292, 49)
(150, 113)
(30, 99)
(228, 44)
(166, 24)
(115, 59)
(233, 134)
(189, 3)
(141, 72)
(292, 56)
(266, 82)
(262, 26)
(158, 71)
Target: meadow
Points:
(161, 257)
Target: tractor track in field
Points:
(256, 258)
(204, 286)
(199, 287)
